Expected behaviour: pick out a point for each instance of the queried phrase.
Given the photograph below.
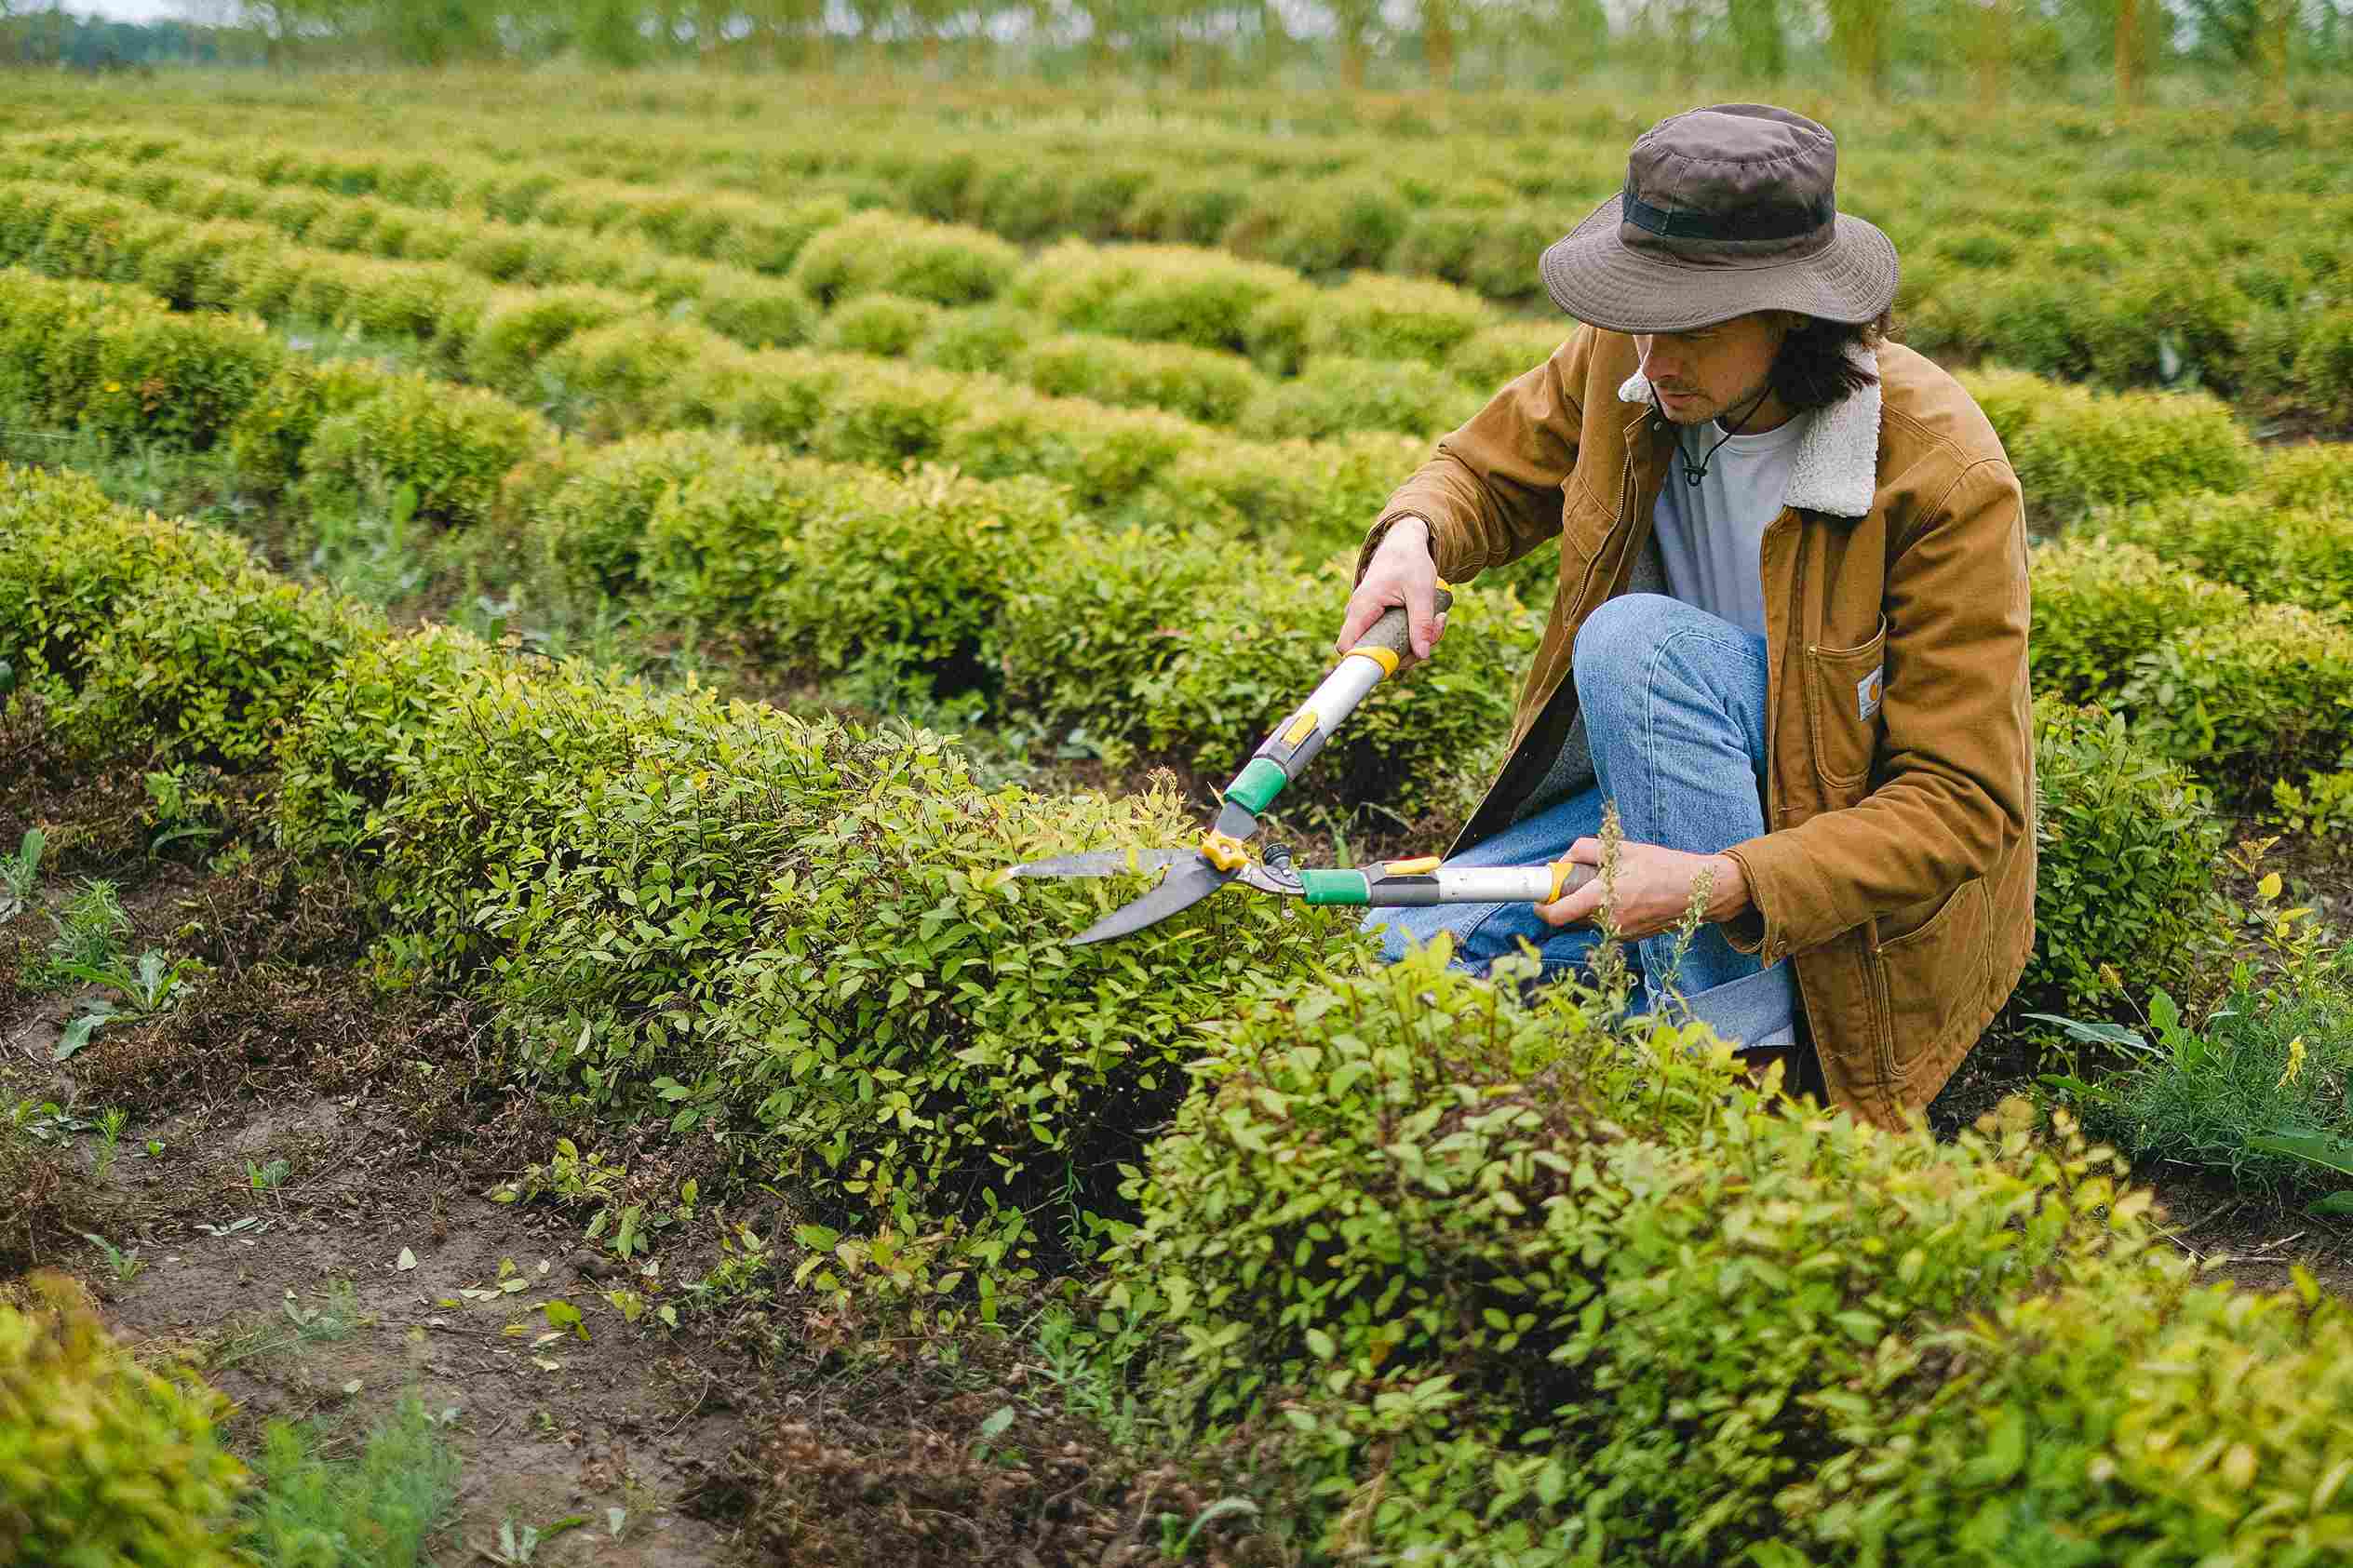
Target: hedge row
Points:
(1453, 1261)
(1481, 1280)
(2247, 694)
(2127, 298)
(143, 208)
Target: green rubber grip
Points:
(1395, 630)
(1336, 887)
(1258, 785)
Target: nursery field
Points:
(531, 641)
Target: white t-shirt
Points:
(1711, 534)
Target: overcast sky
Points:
(127, 10)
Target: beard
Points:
(1701, 408)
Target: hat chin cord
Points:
(1693, 474)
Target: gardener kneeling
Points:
(1790, 636)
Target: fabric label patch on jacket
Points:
(1867, 694)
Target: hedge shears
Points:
(1224, 853)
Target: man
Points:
(1790, 636)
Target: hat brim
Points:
(1591, 274)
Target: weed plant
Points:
(376, 1510)
(90, 930)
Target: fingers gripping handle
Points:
(1393, 634)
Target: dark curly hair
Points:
(1812, 370)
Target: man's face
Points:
(1711, 370)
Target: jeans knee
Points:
(1609, 654)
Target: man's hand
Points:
(1401, 572)
(1654, 888)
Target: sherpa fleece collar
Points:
(1837, 466)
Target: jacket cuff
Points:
(1754, 931)
(1449, 571)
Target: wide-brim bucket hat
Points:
(1726, 210)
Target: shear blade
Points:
(1181, 888)
(1104, 863)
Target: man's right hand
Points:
(1401, 572)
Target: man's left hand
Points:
(1654, 888)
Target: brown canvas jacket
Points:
(1898, 867)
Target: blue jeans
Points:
(1674, 700)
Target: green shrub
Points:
(2324, 363)
(1490, 252)
(1481, 1280)
(1199, 383)
(2249, 701)
(762, 313)
(102, 1460)
(1375, 316)
(2252, 542)
(2318, 474)
(213, 674)
(2100, 604)
(71, 560)
(1185, 209)
(587, 522)
(1157, 293)
(983, 338)
(1335, 395)
(267, 442)
(1097, 617)
(339, 762)
(179, 379)
(798, 936)
(2156, 1414)
(1245, 657)
(631, 372)
(2127, 851)
(1307, 497)
(1104, 455)
(518, 332)
(1321, 227)
(1496, 354)
(872, 251)
(451, 447)
(2074, 448)
(889, 325)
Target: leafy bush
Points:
(2274, 552)
(2074, 448)
(1158, 293)
(2318, 474)
(2099, 605)
(1199, 383)
(2249, 701)
(889, 325)
(517, 333)
(1307, 497)
(1321, 227)
(103, 1461)
(451, 446)
(1492, 252)
(587, 515)
(2324, 363)
(267, 442)
(983, 338)
(2127, 851)
(179, 379)
(940, 263)
(1494, 1281)
(1496, 354)
(212, 673)
(71, 560)
(760, 311)
(1375, 316)
(1333, 395)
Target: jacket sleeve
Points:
(1957, 754)
(1492, 491)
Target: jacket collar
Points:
(1837, 464)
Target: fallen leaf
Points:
(407, 1260)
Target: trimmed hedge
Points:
(2074, 448)
(104, 1464)
(1494, 1282)
(2275, 553)
(941, 263)
(2098, 606)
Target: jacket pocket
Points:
(1842, 708)
(1934, 959)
